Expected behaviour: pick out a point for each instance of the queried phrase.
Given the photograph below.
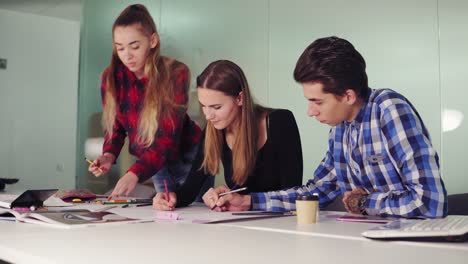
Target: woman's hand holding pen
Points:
(210, 198)
(234, 202)
(224, 199)
(163, 203)
(102, 164)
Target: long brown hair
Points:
(158, 99)
(225, 76)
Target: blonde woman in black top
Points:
(259, 148)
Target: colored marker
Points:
(145, 204)
(128, 201)
(120, 201)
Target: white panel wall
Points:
(454, 79)
(38, 100)
(201, 32)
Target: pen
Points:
(138, 205)
(145, 204)
(232, 191)
(225, 193)
(167, 191)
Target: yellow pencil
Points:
(90, 163)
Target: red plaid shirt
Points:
(174, 135)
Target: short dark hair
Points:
(336, 64)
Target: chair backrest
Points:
(458, 204)
(336, 205)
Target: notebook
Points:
(68, 218)
(450, 228)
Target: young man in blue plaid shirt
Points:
(380, 157)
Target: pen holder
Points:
(307, 209)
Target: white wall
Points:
(453, 22)
(398, 40)
(38, 99)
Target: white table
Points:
(275, 240)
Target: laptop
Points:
(453, 228)
(27, 199)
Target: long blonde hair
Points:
(227, 77)
(158, 100)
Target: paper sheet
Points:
(196, 213)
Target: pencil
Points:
(167, 191)
(91, 163)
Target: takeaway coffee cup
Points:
(307, 209)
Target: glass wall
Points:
(417, 48)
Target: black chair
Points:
(458, 204)
(336, 205)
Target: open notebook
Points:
(68, 218)
(450, 228)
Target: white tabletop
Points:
(275, 240)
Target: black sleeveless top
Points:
(278, 164)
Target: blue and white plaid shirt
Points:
(385, 150)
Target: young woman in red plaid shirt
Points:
(144, 97)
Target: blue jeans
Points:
(175, 173)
